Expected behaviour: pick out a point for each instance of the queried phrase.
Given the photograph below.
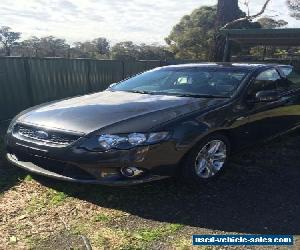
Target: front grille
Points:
(42, 135)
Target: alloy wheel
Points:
(210, 159)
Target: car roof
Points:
(249, 66)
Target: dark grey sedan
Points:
(184, 120)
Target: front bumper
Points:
(75, 164)
(33, 168)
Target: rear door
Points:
(289, 89)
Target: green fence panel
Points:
(152, 64)
(134, 67)
(102, 73)
(13, 87)
(54, 78)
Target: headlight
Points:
(107, 142)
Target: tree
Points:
(84, 50)
(294, 7)
(130, 51)
(227, 11)
(49, 46)
(196, 35)
(98, 48)
(270, 23)
(153, 52)
(227, 18)
(125, 51)
(31, 47)
(247, 17)
(8, 39)
(192, 37)
(102, 45)
(53, 47)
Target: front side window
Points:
(266, 80)
(186, 81)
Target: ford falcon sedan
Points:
(183, 120)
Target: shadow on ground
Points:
(9, 176)
(260, 194)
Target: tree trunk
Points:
(227, 11)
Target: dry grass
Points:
(32, 214)
(257, 197)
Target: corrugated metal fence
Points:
(25, 82)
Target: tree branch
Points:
(247, 18)
(262, 10)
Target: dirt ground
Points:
(258, 195)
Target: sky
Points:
(141, 21)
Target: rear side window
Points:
(292, 78)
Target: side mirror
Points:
(267, 96)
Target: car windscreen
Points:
(185, 81)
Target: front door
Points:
(265, 118)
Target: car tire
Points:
(199, 168)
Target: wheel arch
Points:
(224, 132)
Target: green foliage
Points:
(56, 198)
(130, 51)
(102, 218)
(153, 52)
(192, 37)
(28, 178)
(8, 39)
(98, 48)
(102, 45)
(257, 52)
(152, 234)
(281, 53)
(294, 7)
(50, 198)
(124, 51)
(49, 46)
(31, 46)
(84, 50)
(52, 46)
(270, 23)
